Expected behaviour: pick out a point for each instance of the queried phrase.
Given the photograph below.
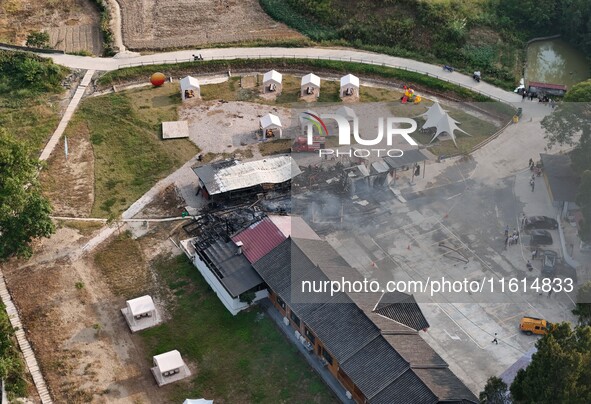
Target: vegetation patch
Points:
(241, 358)
(130, 155)
(30, 88)
(122, 264)
(392, 75)
(12, 369)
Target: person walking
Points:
(531, 163)
(523, 95)
(495, 340)
(529, 266)
(534, 254)
(532, 182)
(523, 218)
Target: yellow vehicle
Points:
(533, 325)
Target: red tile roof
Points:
(547, 85)
(259, 239)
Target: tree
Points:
(570, 124)
(38, 39)
(560, 370)
(24, 212)
(583, 309)
(495, 392)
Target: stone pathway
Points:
(23, 343)
(59, 131)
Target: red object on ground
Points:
(404, 99)
(157, 79)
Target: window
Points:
(280, 302)
(310, 336)
(327, 356)
(295, 318)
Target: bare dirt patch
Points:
(72, 24)
(168, 203)
(69, 183)
(72, 318)
(150, 24)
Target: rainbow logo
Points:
(316, 121)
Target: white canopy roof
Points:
(169, 361)
(189, 82)
(433, 115)
(270, 120)
(447, 125)
(350, 79)
(311, 78)
(197, 401)
(347, 112)
(141, 305)
(272, 75)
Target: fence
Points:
(29, 49)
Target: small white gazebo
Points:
(272, 82)
(271, 126)
(433, 115)
(190, 88)
(310, 85)
(349, 86)
(140, 313)
(197, 401)
(169, 367)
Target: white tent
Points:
(141, 306)
(349, 85)
(169, 367)
(310, 85)
(197, 401)
(271, 123)
(272, 81)
(190, 88)
(140, 313)
(433, 115)
(447, 125)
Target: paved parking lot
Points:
(454, 229)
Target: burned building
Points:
(232, 179)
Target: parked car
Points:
(540, 222)
(549, 263)
(534, 325)
(540, 237)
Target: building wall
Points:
(318, 348)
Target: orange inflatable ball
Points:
(157, 79)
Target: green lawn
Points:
(236, 359)
(130, 155)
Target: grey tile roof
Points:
(403, 309)
(445, 385)
(364, 343)
(407, 159)
(374, 366)
(234, 271)
(407, 389)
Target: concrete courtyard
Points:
(452, 225)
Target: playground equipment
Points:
(410, 96)
(157, 79)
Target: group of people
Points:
(541, 98)
(511, 239)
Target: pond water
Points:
(555, 61)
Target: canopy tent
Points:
(270, 124)
(447, 125)
(272, 76)
(433, 115)
(168, 361)
(141, 305)
(197, 401)
(349, 85)
(272, 81)
(190, 87)
(310, 85)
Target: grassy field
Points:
(393, 76)
(237, 359)
(30, 93)
(130, 156)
